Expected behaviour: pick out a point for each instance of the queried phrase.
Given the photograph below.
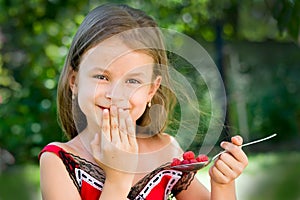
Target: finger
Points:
(105, 128)
(235, 166)
(235, 151)
(237, 140)
(217, 175)
(131, 134)
(114, 125)
(224, 169)
(122, 127)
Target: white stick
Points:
(260, 140)
(246, 144)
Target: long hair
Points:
(102, 23)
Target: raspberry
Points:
(202, 158)
(189, 158)
(175, 162)
(185, 162)
(189, 155)
(193, 161)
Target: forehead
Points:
(114, 52)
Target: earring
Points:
(73, 96)
(149, 104)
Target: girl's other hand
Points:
(115, 149)
(230, 164)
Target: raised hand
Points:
(231, 164)
(115, 149)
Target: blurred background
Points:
(254, 43)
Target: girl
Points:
(113, 99)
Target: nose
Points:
(116, 93)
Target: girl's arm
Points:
(55, 181)
(195, 191)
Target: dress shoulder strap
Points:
(52, 148)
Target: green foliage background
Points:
(258, 57)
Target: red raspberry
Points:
(175, 162)
(193, 161)
(183, 162)
(189, 155)
(202, 158)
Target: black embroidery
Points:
(70, 165)
(182, 184)
(93, 170)
(71, 162)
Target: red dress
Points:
(89, 178)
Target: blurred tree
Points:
(34, 40)
(287, 15)
(35, 36)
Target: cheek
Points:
(87, 103)
(82, 103)
(138, 101)
(86, 98)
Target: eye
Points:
(101, 77)
(133, 81)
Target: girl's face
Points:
(113, 74)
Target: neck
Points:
(85, 139)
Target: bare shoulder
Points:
(172, 146)
(49, 160)
(166, 138)
(171, 139)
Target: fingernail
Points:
(223, 145)
(105, 110)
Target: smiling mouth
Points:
(108, 108)
(104, 108)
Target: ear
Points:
(73, 81)
(154, 87)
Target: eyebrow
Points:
(98, 69)
(130, 73)
(136, 74)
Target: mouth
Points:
(102, 108)
(108, 108)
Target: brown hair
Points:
(101, 23)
